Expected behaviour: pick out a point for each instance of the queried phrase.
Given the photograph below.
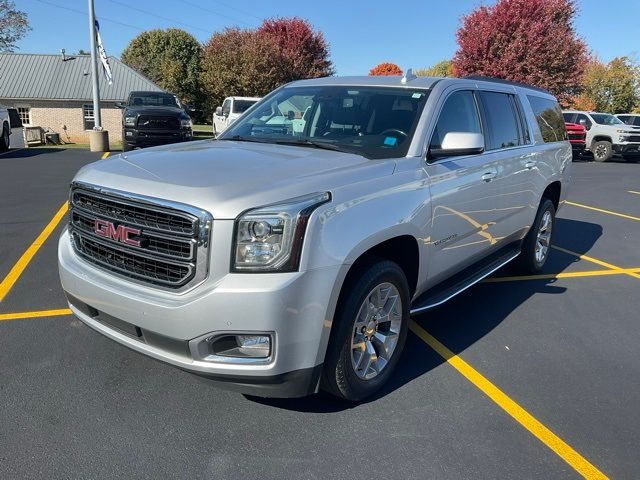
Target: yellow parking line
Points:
(633, 191)
(519, 414)
(26, 257)
(597, 262)
(630, 217)
(105, 155)
(40, 313)
(549, 276)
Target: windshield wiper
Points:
(240, 138)
(305, 142)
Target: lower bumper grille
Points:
(147, 240)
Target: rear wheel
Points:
(4, 139)
(369, 333)
(537, 243)
(602, 151)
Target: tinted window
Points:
(606, 119)
(637, 122)
(153, 99)
(226, 107)
(376, 122)
(568, 117)
(628, 119)
(459, 114)
(583, 120)
(502, 123)
(241, 106)
(549, 117)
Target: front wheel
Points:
(369, 332)
(602, 151)
(537, 243)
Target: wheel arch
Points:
(553, 192)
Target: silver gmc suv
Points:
(288, 255)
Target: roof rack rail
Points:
(506, 82)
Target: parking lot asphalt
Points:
(562, 347)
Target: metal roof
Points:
(31, 76)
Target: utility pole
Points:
(98, 138)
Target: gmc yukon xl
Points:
(278, 260)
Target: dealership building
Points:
(54, 92)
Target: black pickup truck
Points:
(153, 118)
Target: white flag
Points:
(106, 68)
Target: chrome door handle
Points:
(488, 176)
(530, 164)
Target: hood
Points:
(147, 110)
(227, 177)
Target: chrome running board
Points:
(460, 282)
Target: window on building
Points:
(25, 115)
(87, 117)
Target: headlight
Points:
(129, 121)
(269, 239)
(186, 123)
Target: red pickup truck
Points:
(577, 136)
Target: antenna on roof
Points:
(408, 76)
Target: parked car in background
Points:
(154, 118)
(230, 111)
(630, 118)
(284, 258)
(606, 134)
(5, 129)
(577, 137)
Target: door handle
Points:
(488, 176)
(530, 164)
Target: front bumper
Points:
(293, 307)
(147, 138)
(627, 148)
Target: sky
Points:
(361, 34)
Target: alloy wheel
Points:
(543, 239)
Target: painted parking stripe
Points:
(597, 262)
(519, 414)
(601, 210)
(105, 155)
(23, 261)
(553, 276)
(4, 317)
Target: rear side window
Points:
(459, 114)
(549, 117)
(504, 127)
(628, 119)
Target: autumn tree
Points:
(303, 52)
(13, 25)
(529, 41)
(443, 68)
(170, 58)
(386, 69)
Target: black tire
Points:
(528, 262)
(4, 138)
(602, 151)
(339, 375)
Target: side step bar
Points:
(467, 278)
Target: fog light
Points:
(128, 134)
(242, 346)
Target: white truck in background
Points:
(5, 129)
(230, 111)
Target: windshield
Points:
(376, 122)
(606, 119)
(241, 106)
(151, 99)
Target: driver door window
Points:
(459, 114)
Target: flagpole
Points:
(94, 68)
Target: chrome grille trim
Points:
(175, 237)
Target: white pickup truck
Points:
(5, 129)
(230, 111)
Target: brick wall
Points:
(55, 115)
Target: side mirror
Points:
(459, 143)
(583, 122)
(218, 111)
(120, 105)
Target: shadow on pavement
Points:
(465, 319)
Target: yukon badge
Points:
(121, 233)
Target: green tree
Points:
(13, 25)
(170, 58)
(613, 88)
(443, 68)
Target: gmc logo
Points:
(121, 233)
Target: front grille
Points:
(167, 244)
(633, 138)
(577, 136)
(158, 122)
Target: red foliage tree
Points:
(529, 41)
(386, 69)
(304, 53)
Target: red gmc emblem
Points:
(121, 233)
